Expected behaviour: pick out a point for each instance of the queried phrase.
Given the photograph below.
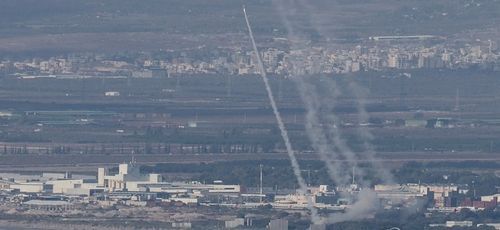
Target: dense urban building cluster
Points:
(377, 55)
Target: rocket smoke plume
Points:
(332, 132)
(360, 94)
(366, 135)
(327, 139)
(284, 133)
(316, 135)
(321, 129)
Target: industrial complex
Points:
(58, 193)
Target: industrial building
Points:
(403, 38)
(127, 184)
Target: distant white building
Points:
(126, 173)
(494, 225)
(235, 223)
(112, 94)
(279, 224)
(130, 179)
(30, 187)
(451, 224)
(74, 187)
(128, 182)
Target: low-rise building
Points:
(451, 224)
(51, 205)
(494, 225)
(31, 187)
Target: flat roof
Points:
(47, 202)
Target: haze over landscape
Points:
(224, 114)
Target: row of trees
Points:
(143, 148)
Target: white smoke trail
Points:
(363, 116)
(284, 134)
(359, 208)
(317, 136)
(324, 139)
(314, 127)
(367, 200)
(335, 135)
(367, 136)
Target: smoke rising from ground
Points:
(365, 207)
(360, 94)
(322, 125)
(321, 122)
(319, 135)
(284, 133)
(316, 132)
(366, 135)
